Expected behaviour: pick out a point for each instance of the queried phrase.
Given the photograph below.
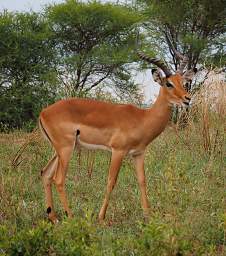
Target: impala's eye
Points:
(169, 85)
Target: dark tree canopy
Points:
(25, 49)
(26, 76)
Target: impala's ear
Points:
(157, 76)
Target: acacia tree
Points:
(95, 44)
(193, 27)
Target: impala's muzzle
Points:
(186, 101)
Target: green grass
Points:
(186, 189)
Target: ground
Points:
(185, 171)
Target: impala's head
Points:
(172, 84)
(173, 87)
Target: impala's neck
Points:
(159, 114)
(162, 104)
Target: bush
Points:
(72, 237)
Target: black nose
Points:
(187, 98)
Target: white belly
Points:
(83, 144)
(92, 146)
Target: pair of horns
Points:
(159, 63)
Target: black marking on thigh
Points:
(77, 132)
(48, 210)
(41, 173)
(66, 213)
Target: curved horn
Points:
(157, 62)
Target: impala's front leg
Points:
(139, 166)
(116, 161)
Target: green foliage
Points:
(27, 78)
(81, 236)
(35, 241)
(82, 19)
(25, 55)
(159, 238)
(94, 43)
(75, 237)
(20, 106)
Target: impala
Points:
(122, 129)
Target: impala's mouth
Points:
(185, 104)
(181, 104)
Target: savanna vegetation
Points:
(186, 186)
(87, 49)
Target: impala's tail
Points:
(43, 130)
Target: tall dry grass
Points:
(207, 118)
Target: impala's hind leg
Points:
(47, 178)
(64, 156)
